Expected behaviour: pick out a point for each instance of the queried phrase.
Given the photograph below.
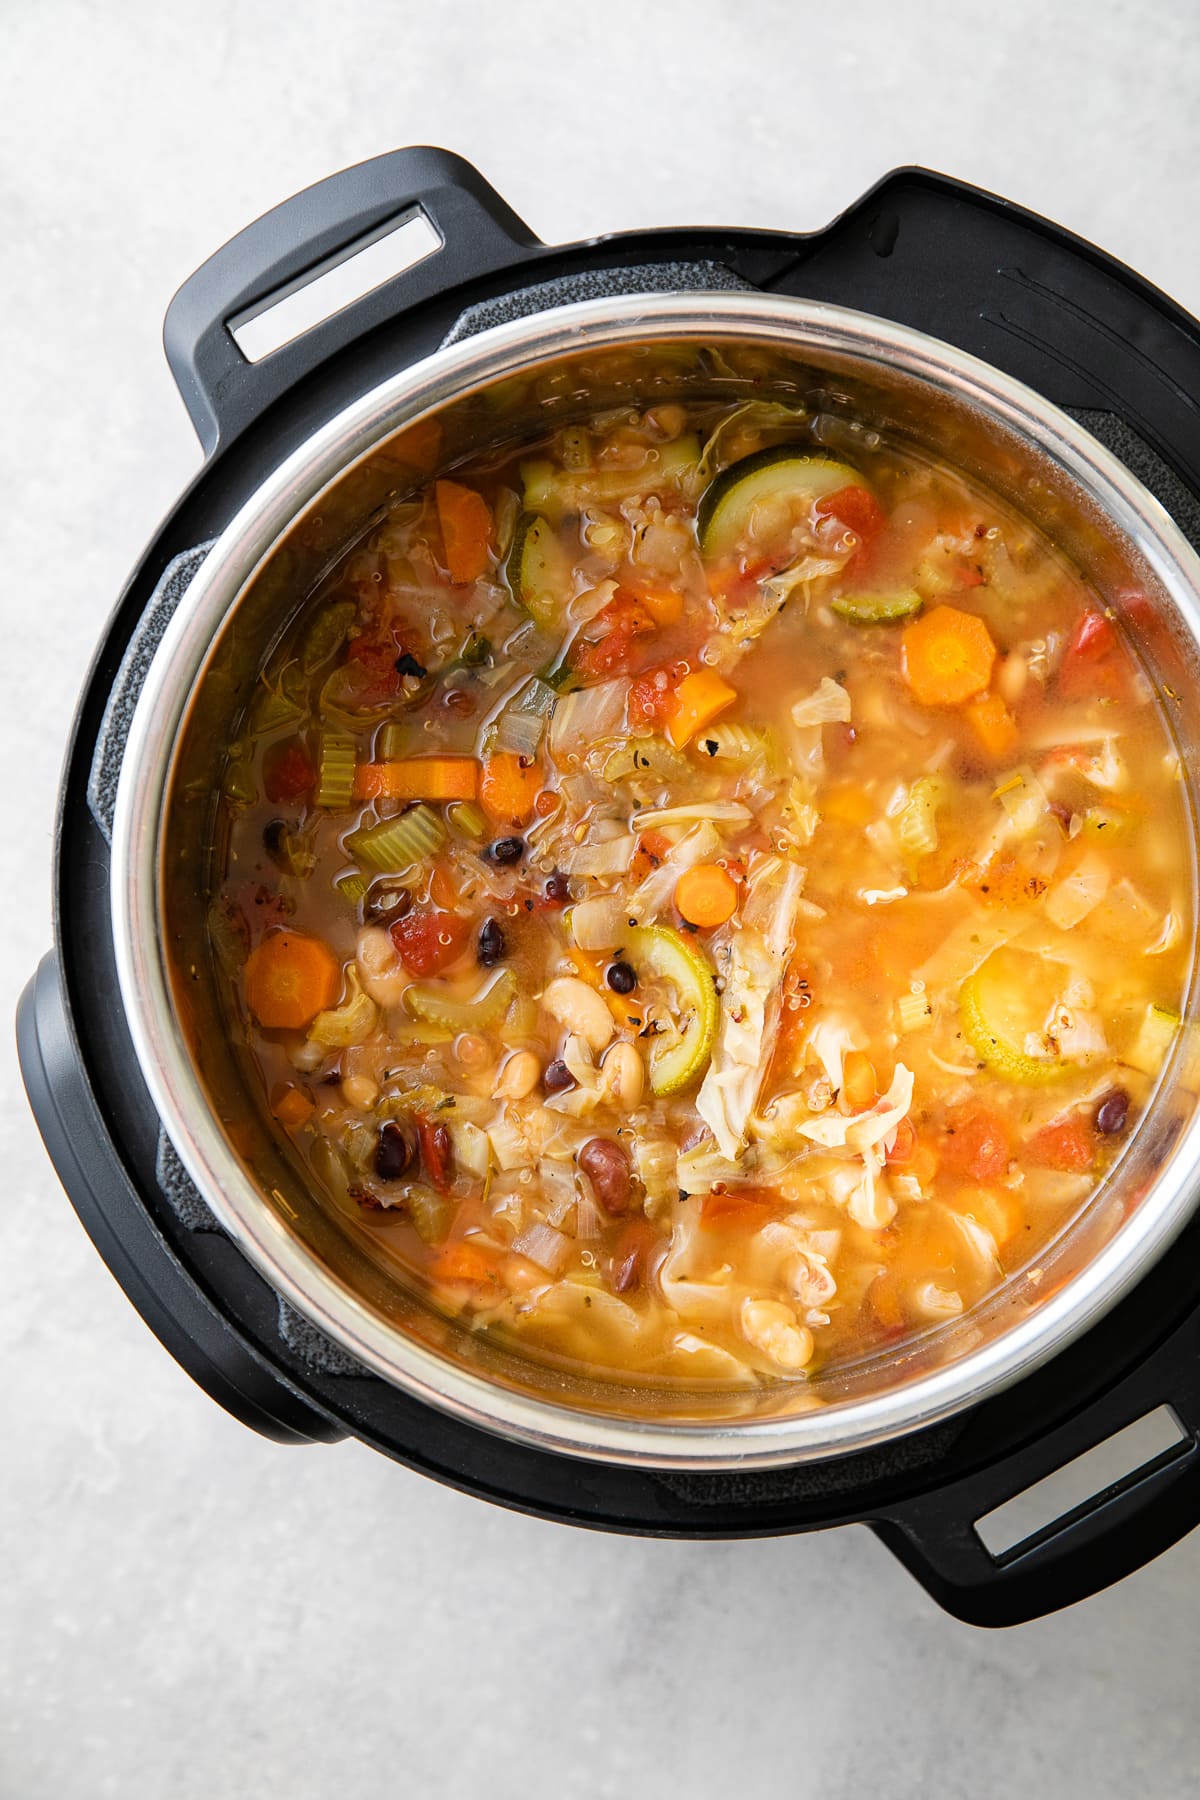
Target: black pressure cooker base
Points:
(960, 265)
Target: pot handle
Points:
(304, 237)
(1106, 1536)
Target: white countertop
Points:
(186, 1610)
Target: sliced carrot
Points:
(706, 895)
(443, 889)
(467, 1262)
(509, 787)
(698, 699)
(417, 446)
(859, 1087)
(418, 778)
(466, 522)
(740, 1206)
(993, 725)
(947, 656)
(290, 978)
(294, 1108)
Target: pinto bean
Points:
(606, 1165)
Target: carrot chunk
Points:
(699, 697)
(466, 523)
(993, 725)
(466, 1262)
(509, 787)
(947, 656)
(294, 1108)
(418, 778)
(290, 978)
(706, 895)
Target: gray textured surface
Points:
(188, 1611)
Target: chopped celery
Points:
(913, 1012)
(290, 851)
(432, 1214)
(476, 651)
(326, 634)
(396, 844)
(396, 740)
(431, 1006)
(469, 820)
(877, 609)
(667, 954)
(353, 887)
(336, 761)
(1153, 1041)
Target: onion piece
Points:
(543, 1245)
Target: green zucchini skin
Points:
(784, 470)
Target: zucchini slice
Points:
(667, 954)
(773, 489)
(539, 570)
(877, 609)
(998, 1005)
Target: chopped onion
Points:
(543, 1245)
(716, 812)
(597, 924)
(587, 1219)
(519, 733)
(586, 715)
(827, 705)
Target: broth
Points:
(707, 909)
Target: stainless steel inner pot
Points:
(521, 378)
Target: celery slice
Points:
(335, 769)
(326, 633)
(430, 1006)
(469, 820)
(353, 887)
(396, 844)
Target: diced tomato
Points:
(1065, 1144)
(652, 847)
(976, 1143)
(968, 577)
(1090, 664)
(858, 510)
(618, 631)
(651, 695)
(428, 941)
(436, 1152)
(288, 773)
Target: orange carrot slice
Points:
(290, 978)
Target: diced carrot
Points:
(923, 1164)
(706, 895)
(847, 804)
(976, 1143)
(947, 656)
(993, 725)
(884, 1302)
(464, 1261)
(699, 697)
(661, 600)
(859, 1088)
(294, 1108)
(418, 778)
(1065, 1144)
(290, 978)
(739, 1206)
(466, 522)
(509, 787)
(996, 1210)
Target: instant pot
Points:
(958, 319)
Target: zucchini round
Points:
(539, 571)
(779, 485)
(666, 953)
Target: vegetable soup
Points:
(705, 908)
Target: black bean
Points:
(621, 977)
(274, 833)
(490, 949)
(558, 889)
(557, 1078)
(395, 1150)
(505, 850)
(388, 900)
(1112, 1113)
(408, 665)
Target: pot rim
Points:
(834, 1429)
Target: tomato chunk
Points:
(976, 1142)
(652, 694)
(288, 773)
(857, 509)
(428, 941)
(617, 633)
(1065, 1144)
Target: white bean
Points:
(383, 974)
(772, 1328)
(519, 1076)
(580, 1009)
(1012, 676)
(624, 1075)
(359, 1092)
